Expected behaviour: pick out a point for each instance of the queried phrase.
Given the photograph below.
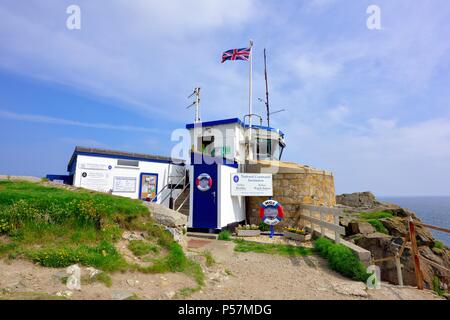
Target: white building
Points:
(133, 175)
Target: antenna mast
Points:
(267, 89)
(196, 103)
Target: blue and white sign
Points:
(251, 184)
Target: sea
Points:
(431, 210)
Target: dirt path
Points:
(264, 276)
(233, 276)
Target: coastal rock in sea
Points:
(166, 216)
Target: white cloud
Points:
(65, 122)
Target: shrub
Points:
(225, 235)
(264, 227)
(437, 286)
(375, 215)
(341, 259)
(439, 244)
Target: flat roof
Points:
(120, 155)
(232, 120)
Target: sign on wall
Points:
(95, 180)
(124, 184)
(251, 184)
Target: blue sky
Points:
(373, 106)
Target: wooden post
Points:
(337, 237)
(399, 270)
(322, 229)
(415, 252)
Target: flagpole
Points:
(250, 98)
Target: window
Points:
(128, 163)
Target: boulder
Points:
(166, 216)
(398, 227)
(357, 200)
(362, 227)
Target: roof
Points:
(232, 120)
(120, 155)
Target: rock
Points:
(122, 295)
(166, 216)
(133, 235)
(16, 286)
(92, 272)
(74, 279)
(361, 227)
(65, 294)
(357, 289)
(59, 276)
(170, 294)
(357, 200)
(398, 227)
(132, 282)
(178, 236)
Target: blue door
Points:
(205, 196)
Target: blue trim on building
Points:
(92, 154)
(231, 120)
(67, 179)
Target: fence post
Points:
(415, 252)
(337, 237)
(399, 269)
(322, 229)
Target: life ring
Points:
(271, 212)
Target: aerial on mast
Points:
(196, 103)
(267, 89)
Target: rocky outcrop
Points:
(357, 200)
(166, 216)
(384, 245)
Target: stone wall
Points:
(293, 185)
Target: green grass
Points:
(56, 227)
(228, 272)
(210, 261)
(341, 259)
(224, 235)
(282, 249)
(375, 215)
(374, 219)
(437, 287)
(378, 225)
(102, 277)
(186, 292)
(437, 244)
(141, 248)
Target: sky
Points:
(370, 105)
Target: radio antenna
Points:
(196, 103)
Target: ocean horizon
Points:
(434, 210)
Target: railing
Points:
(170, 194)
(409, 242)
(185, 199)
(323, 212)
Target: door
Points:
(205, 196)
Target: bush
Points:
(375, 215)
(341, 259)
(264, 227)
(439, 244)
(224, 235)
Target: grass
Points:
(141, 248)
(282, 249)
(437, 244)
(378, 225)
(102, 277)
(375, 215)
(228, 272)
(210, 261)
(374, 219)
(56, 227)
(186, 292)
(224, 235)
(341, 259)
(437, 286)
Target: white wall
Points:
(101, 178)
(231, 209)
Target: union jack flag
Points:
(237, 54)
